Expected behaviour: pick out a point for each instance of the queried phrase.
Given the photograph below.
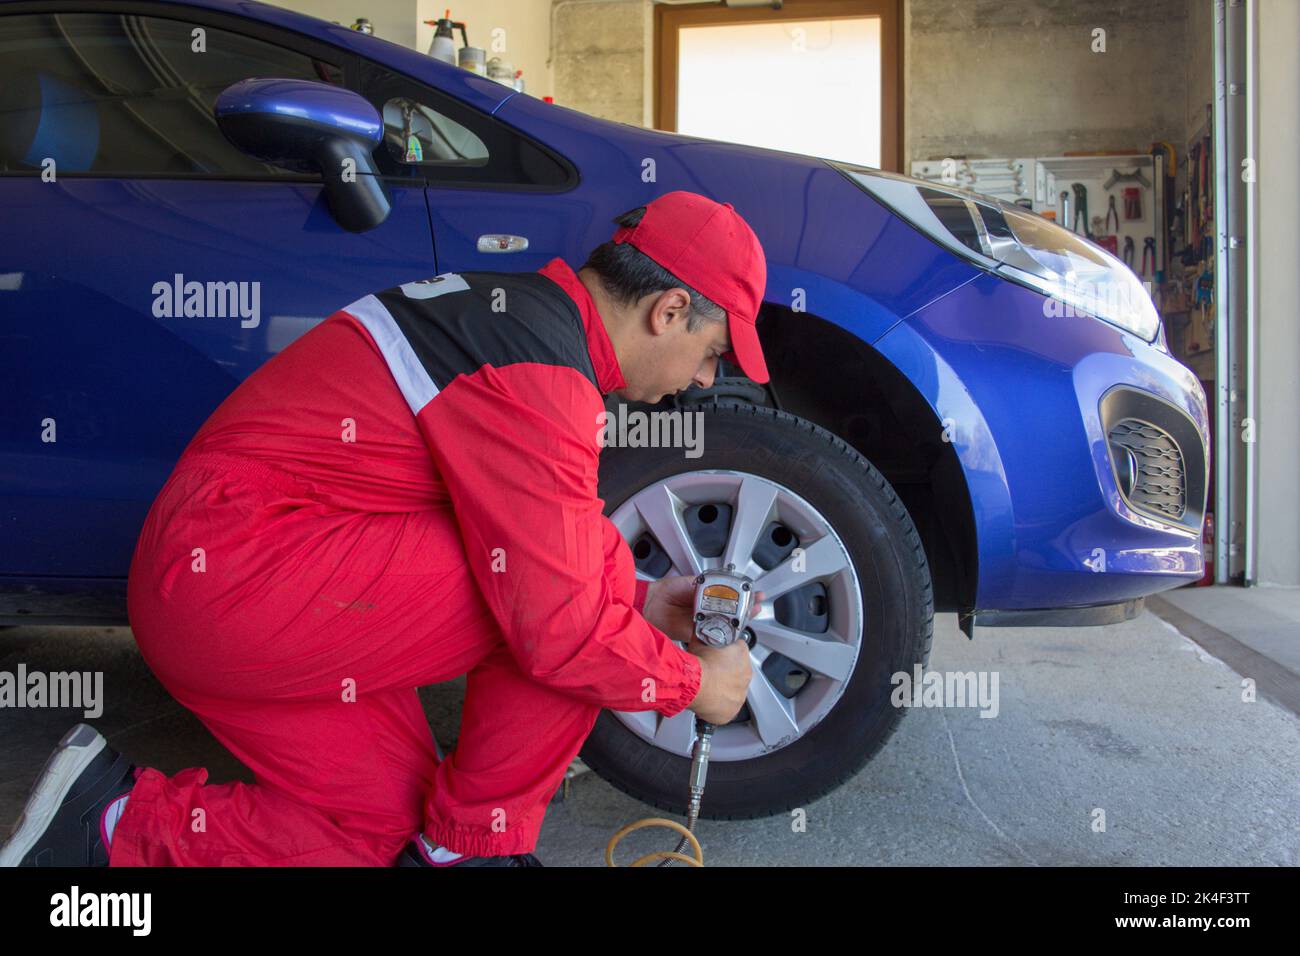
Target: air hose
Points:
(699, 770)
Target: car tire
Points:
(896, 614)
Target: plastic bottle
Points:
(444, 38)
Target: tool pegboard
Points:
(1037, 183)
(1007, 179)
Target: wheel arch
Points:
(896, 420)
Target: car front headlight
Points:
(1020, 246)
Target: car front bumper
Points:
(1031, 401)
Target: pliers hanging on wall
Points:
(1148, 249)
(1112, 211)
(1080, 209)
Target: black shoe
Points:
(62, 823)
(414, 854)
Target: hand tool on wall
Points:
(1185, 216)
(1132, 203)
(1080, 208)
(1128, 251)
(1207, 196)
(1165, 160)
(1148, 249)
(1171, 157)
(1205, 290)
(1204, 301)
(1111, 211)
(1137, 176)
(1065, 219)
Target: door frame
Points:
(669, 19)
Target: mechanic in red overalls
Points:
(406, 494)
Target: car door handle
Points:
(502, 242)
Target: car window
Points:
(433, 137)
(115, 94)
(415, 134)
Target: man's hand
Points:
(724, 671)
(724, 680)
(670, 606)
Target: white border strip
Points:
(416, 385)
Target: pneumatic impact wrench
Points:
(724, 601)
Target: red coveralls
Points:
(335, 577)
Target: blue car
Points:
(971, 410)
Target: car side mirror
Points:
(312, 127)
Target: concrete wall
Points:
(1198, 69)
(999, 78)
(602, 57)
(1278, 244)
(392, 19)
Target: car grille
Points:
(1158, 454)
(1155, 479)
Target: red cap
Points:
(711, 249)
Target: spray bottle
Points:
(444, 38)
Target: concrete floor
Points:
(1265, 619)
(1134, 719)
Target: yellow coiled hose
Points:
(699, 771)
(688, 839)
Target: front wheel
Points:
(847, 604)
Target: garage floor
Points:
(1134, 719)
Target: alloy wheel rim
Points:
(808, 633)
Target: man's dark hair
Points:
(627, 274)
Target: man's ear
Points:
(669, 307)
